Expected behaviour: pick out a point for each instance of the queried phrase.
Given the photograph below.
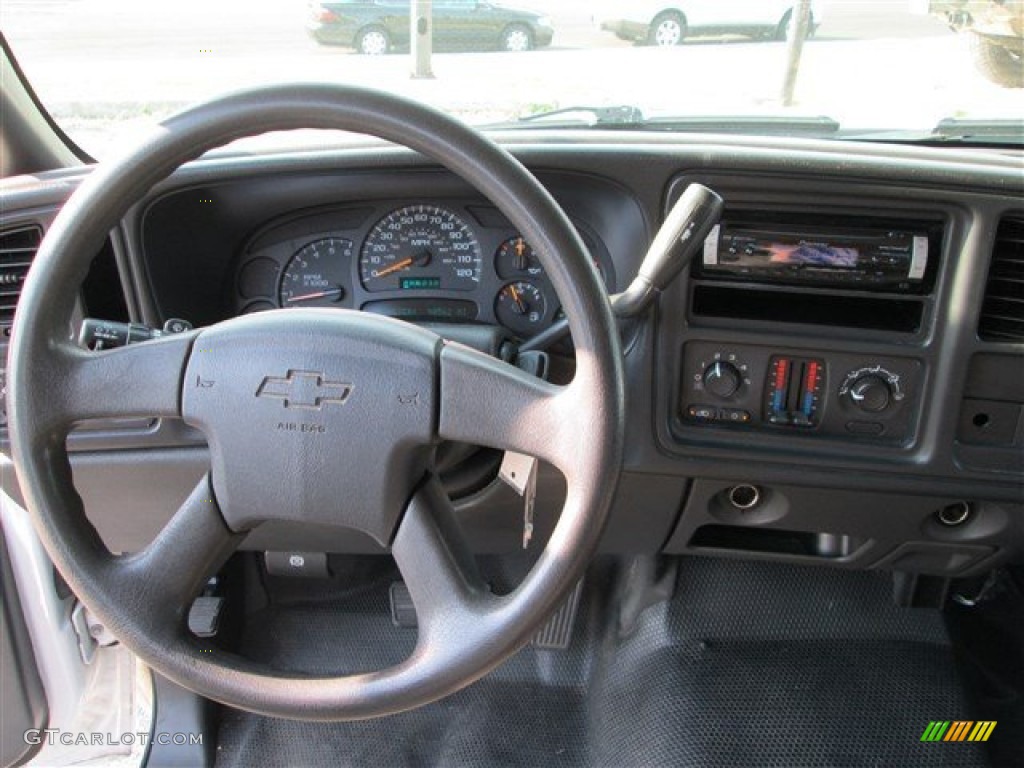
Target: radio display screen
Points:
(815, 254)
(847, 257)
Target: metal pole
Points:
(421, 36)
(795, 47)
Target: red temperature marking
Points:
(780, 374)
(812, 376)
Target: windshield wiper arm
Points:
(980, 131)
(626, 116)
(761, 125)
(951, 131)
(623, 114)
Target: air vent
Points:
(17, 248)
(1002, 314)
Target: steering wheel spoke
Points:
(166, 576)
(438, 569)
(136, 380)
(488, 402)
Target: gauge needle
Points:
(522, 262)
(413, 261)
(518, 299)
(317, 295)
(397, 267)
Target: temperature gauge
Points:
(521, 307)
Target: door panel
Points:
(22, 699)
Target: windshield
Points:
(108, 69)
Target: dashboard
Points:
(837, 379)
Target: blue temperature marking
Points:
(808, 403)
(777, 402)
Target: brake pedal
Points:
(403, 612)
(555, 635)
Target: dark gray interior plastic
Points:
(286, 398)
(22, 697)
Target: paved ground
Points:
(872, 64)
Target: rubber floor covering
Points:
(749, 664)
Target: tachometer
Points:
(420, 247)
(317, 274)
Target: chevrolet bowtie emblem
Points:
(305, 389)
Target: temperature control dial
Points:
(871, 390)
(870, 394)
(722, 379)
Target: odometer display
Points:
(420, 283)
(420, 247)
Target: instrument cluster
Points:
(459, 261)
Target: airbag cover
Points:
(318, 416)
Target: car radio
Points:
(851, 255)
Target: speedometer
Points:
(420, 247)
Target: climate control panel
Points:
(793, 391)
(817, 393)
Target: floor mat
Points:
(780, 704)
(772, 665)
(749, 664)
(528, 712)
(492, 723)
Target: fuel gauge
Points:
(521, 308)
(515, 259)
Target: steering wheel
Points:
(315, 416)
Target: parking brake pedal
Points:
(204, 616)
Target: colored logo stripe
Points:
(935, 731)
(958, 730)
(982, 730)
